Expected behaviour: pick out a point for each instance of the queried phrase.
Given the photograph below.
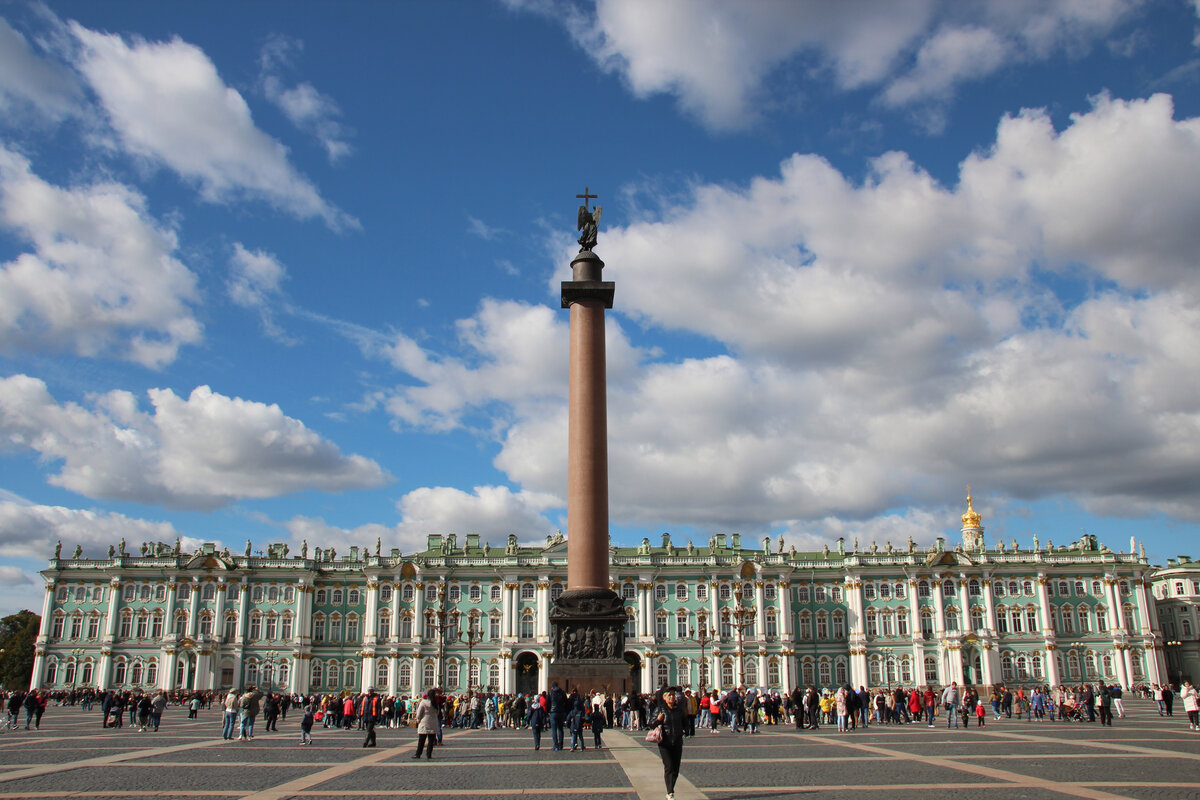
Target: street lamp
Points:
(704, 636)
(741, 617)
(1175, 644)
(445, 621)
(474, 636)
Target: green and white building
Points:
(718, 614)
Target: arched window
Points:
(406, 593)
(527, 625)
(974, 588)
(52, 672)
(825, 668)
(839, 625)
(206, 621)
(872, 623)
(144, 592)
(405, 676)
(454, 594)
(1022, 666)
(727, 673)
(318, 629)
(181, 622)
(747, 592)
(931, 670)
(335, 628)
(681, 591)
(452, 675)
(334, 678)
(874, 678)
(923, 589)
(406, 626)
(527, 591)
(628, 591)
(947, 588)
(126, 630)
(1073, 664)
(926, 622)
(822, 626)
(381, 674)
(209, 592)
(88, 667)
(808, 672)
(841, 671)
(318, 674)
(976, 619)
(385, 625)
(284, 671)
(771, 627)
(252, 673)
(352, 628)
(662, 674)
(475, 593)
(750, 677)
(493, 677)
(427, 675)
(556, 590)
(906, 675)
(473, 674)
(952, 624)
(119, 673)
(660, 592)
(255, 626)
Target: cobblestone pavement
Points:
(1142, 756)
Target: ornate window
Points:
(872, 624)
(771, 627)
(923, 589)
(272, 627)
(952, 623)
(727, 672)
(628, 591)
(452, 675)
(660, 592)
(272, 594)
(660, 626)
(747, 592)
(885, 591)
(427, 675)
(454, 593)
(232, 592)
(385, 626)
(94, 626)
(681, 591)
(405, 676)
(119, 673)
(494, 627)
(209, 591)
(230, 626)
(926, 622)
(206, 621)
(1031, 620)
(335, 628)
(318, 674)
(406, 626)
(805, 626)
(494, 593)
(385, 592)
(289, 594)
(822, 626)
(255, 626)
(493, 677)
(527, 625)
(475, 593)
(1002, 619)
(931, 670)
(335, 597)
(869, 591)
(256, 594)
(352, 628)
(527, 591)
(974, 589)
(902, 623)
(381, 674)
(724, 592)
(681, 625)
(948, 588)
(334, 676)
(285, 627)
(322, 597)
(318, 629)
(839, 625)
(825, 669)
(156, 625)
(406, 593)
(802, 593)
(353, 597)
(701, 591)
(126, 630)
(77, 626)
(56, 629)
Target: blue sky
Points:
(280, 271)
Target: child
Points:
(576, 719)
(980, 714)
(306, 724)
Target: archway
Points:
(635, 670)
(527, 666)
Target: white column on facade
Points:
(243, 628)
(396, 618)
(914, 612)
(955, 664)
(1044, 612)
(785, 610)
(643, 627)
(989, 605)
(393, 684)
(542, 600)
(918, 655)
(1143, 607)
(506, 629)
(785, 672)
(219, 610)
(939, 608)
(39, 654)
(414, 677)
(302, 633)
(1052, 676)
(648, 667)
(762, 669)
(714, 621)
(714, 673)
(194, 610)
(760, 612)
(104, 668)
(544, 672)
(964, 604)
(418, 614)
(371, 620)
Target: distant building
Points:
(1176, 589)
(327, 621)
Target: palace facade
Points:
(461, 614)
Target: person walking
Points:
(950, 703)
(231, 713)
(558, 710)
(368, 712)
(427, 724)
(537, 721)
(669, 719)
(306, 724)
(1191, 704)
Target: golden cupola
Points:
(972, 526)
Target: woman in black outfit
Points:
(670, 716)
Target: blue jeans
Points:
(230, 724)
(556, 730)
(929, 715)
(952, 716)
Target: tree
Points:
(18, 633)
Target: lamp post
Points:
(741, 617)
(704, 636)
(474, 636)
(446, 622)
(1175, 644)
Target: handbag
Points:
(655, 735)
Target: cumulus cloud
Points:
(202, 452)
(28, 80)
(310, 111)
(168, 104)
(30, 530)
(102, 278)
(491, 511)
(719, 58)
(888, 340)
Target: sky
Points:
(282, 271)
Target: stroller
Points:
(1072, 713)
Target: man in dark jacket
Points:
(558, 712)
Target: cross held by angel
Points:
(588, 220)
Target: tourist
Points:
(231, 713)
(306, 724)
(558, 710)
(668, 718)
(368, 712)
(427, 724)
(537, 720)
(156, 709)
(577, 717)
(950, 696)
(599, 723)
(270, 710)
(1191, 704)
(1168, 698)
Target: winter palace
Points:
(465, 615)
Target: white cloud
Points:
(202, 452)
(28, 80)
(888, 340)
(491, 511)
(102, 278)
(309, 110)
(168, 104)
(255, 282)
(28, 530)
(718, 58)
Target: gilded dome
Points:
(971, 519)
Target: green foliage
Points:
(18, 632)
